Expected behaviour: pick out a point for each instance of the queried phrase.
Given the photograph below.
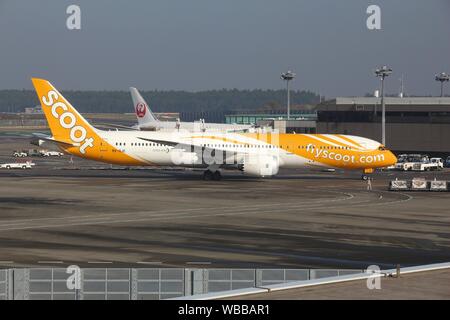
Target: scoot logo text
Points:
(68, 120)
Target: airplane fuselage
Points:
(293, 150)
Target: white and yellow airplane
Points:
(258, 154)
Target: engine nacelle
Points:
(181, 157)
(261, 165)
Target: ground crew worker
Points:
(369, 184)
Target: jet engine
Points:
(181, 157)
(260, 165)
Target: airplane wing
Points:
(168, 143)
(116, 126)
(188, 146)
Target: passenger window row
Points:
(267, 146)
(137, 144)
(325, 147)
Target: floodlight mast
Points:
(442, 77)
(288, 76)
(383, 72)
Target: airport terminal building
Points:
(413, 125)
(301, 121)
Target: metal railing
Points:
(3, 284)
(143, 283)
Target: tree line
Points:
(225, 100)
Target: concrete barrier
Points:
(395, 185)
(438, 185)
(419, 185)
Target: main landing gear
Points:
(210, 175)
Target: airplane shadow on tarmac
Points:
(166, 174)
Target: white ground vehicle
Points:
(48, 153)
(405, 162)
(17, 165)
(20, 154)
(439, 163)
(425, 164)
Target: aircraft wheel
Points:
(208, 175)
(217, 175)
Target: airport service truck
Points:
(20, 154)
(17, 165)
(426, 164)
(30, 153)
(439, 163)
(48, 153)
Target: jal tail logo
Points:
(67, 120)
(140, 109)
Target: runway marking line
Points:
(175, 212)
(94, 221)
(186, 215)
(155, 217)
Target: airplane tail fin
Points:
(66, 124)
(143, 113)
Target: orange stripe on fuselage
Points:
(349, 140)
(323, 137)
(220, 139)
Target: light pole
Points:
(442, 77)
(400, 94)
(288, 76)
(383, 72)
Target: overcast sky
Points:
(209, 44)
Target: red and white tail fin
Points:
(143, 113)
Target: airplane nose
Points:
(392, 158)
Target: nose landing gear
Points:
(365, 176)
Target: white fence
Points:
(143, 283)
